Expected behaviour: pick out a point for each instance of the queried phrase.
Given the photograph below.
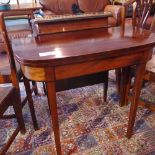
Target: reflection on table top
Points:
(81, 45)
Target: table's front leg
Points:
(140, 69)
(51, 93)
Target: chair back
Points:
(141, 12)
(9, 52)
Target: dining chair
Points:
(10, 71)
(10, 95)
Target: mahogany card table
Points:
(72, 54)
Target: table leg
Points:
(140, 70)
(51, 93)
(125, 85)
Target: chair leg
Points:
(106, 86)
(118, 80)
(35, 88)
(45, 89)
(18, 112)
(45, 85)
(30, 102)
(125, 85)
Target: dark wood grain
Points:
(72, 47)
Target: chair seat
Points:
(5, 70)
(5, 98)
(4, 91)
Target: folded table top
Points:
(71, 17)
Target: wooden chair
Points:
(149, 76)
(140, 17)
(10, 96)
(10, 71)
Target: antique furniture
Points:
(60, 7)
(72, 22)
(55, 57)
(10, 96)
(7, 72)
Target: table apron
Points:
(53, 73)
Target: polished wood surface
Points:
(60, 49)
(72, 54)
